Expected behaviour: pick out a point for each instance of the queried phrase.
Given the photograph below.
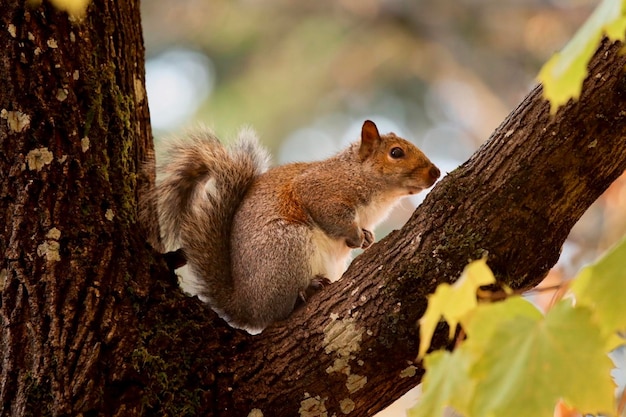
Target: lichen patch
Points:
(312, 406)
(342, 337)
(3, 278)
(52, 43)
(140, 92)
(346, 405)
(38, 158)
(50, 250)
(54, 233)
(340, 366)
(355, 382)
(84, 144)
(408, 372)
(61, 94)
(16, 120)
(109, 215)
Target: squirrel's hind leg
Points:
(317, 284)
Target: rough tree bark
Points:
(90, 320)
(74, 129)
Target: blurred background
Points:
(441, 73)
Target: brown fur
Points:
(257, 241)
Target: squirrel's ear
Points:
(369, 139)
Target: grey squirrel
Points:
(257, 240)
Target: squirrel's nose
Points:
(434, 172)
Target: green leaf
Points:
(446, 382)
(562, 76)
(602, 287)
(487, 318)
(453, 301)
(532, 363)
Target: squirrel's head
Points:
(402, 165)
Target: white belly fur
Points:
(330, 257)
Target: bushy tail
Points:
(200, 184)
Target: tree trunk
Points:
(92, 323)
(74, 130)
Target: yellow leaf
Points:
(75, 8)
(562, 76)
(453, 302)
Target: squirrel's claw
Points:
(368, 239)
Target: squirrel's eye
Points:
(396, 153)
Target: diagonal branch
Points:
(351, 348)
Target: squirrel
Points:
(258, 241)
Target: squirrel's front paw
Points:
(368, 239)
(362, 239)
(355, 241)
